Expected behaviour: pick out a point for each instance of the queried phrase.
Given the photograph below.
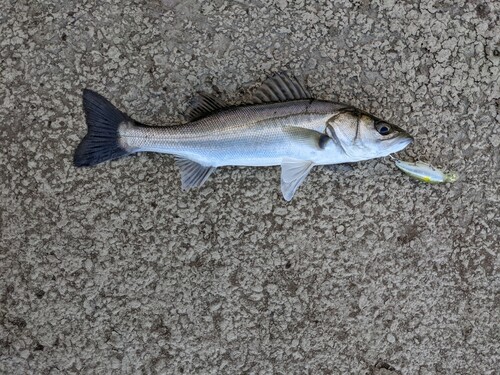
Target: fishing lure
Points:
(425, 172)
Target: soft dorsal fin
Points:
(201, 105)
(280, 88)
(193, 175)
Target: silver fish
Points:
(282, 125)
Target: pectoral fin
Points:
(192, 174)
(309, 137)
(293, 173)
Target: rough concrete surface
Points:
(114, 269)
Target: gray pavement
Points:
(115, 270)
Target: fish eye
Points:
(383, 128)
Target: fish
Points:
(281, 125)
(426, 172)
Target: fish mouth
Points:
(400, 138)
(400, 141)
(407, 140)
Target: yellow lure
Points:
(425, 172)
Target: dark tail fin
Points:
(101, 142)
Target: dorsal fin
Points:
(201, 105)
(280, 88)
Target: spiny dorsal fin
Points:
(280, 88)
(201, 105)
(192, 174)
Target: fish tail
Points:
(102, 141)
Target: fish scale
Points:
(248, 136)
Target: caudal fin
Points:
(102, 140)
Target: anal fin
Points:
(293, 173)
(193, 174)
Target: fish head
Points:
(363, 136)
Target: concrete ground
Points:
(114, 270)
